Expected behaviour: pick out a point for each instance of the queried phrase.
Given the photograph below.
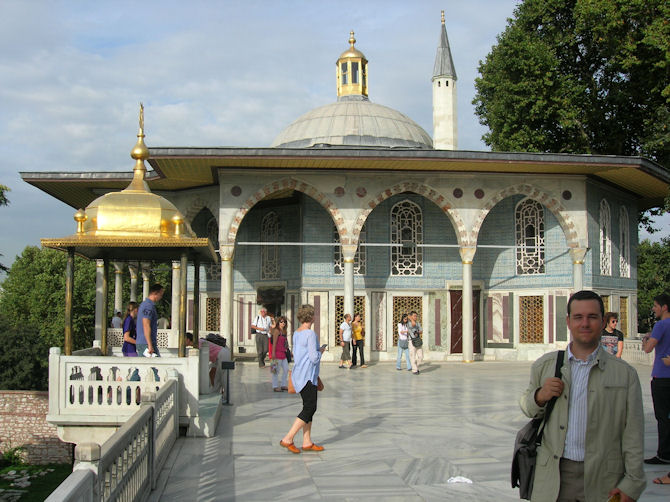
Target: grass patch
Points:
(41, 485)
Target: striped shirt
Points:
(575, 438)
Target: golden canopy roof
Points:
(134, 223)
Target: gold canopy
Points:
(134, 223)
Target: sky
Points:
(226, 73)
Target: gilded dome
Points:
(134, 212)
(353, 122)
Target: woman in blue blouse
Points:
(305, 375)
(130, 331)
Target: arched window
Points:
(529, 218)
(213, 270)
(624, 243)
(359, 258)
(270, 252)
(407, 230)
(605, 239)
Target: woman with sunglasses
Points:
(279, 346)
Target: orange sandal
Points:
(313, 447)
(290, 447)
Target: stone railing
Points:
(165, 338)
(633, 353)
(98, 392)
(126, 466)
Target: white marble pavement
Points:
(388, 435)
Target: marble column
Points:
(467, 255)
(104, 314)
(118, 287)
(132, 270)
(348, 254)
(69, 294)
(99, 278)
(226, 253)
(146, 276)
(174, 312)
(183, 267)
(577, 255)
(196, 302)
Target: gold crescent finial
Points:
(442, 17)
(352, 40)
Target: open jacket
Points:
(614, 430)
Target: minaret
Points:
(445, 118)
(352, 73)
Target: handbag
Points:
(403, 344)
(291, 388)
(417, 342)
(528, 439)
(289, 356)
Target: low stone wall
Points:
(23, 423)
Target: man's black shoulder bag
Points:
(528, 439)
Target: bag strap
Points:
(550, 405)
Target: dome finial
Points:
(140, 153)
(352, 40)
(442, 17)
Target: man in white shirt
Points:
(345, 342)
(262, 326)
(117, 322)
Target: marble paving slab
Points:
(389, 435)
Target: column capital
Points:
(349, 252)
(226, 252)
(118, 267)
(176, 264)
(99, 263)
(132, 269)
(577, 255)
(467, 254)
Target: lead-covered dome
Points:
(353, 123)
(353, 120)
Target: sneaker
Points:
(399, 369)
(656, 461)
(409, 369)
(364, 365)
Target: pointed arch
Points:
(624, 243)
(197, 205)
(418, 188)
(551, 203)
(292, 184)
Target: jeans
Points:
(141, 347)
(360, 344)
(283, 366)
(660, 395)
(398, 361)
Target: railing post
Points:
(149, 400)
(173, 374)
(87, 457)
(55, 389)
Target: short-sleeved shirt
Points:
(413, 331)
(147, 309)
(661, 332)
(263, 324)
(129, 326)
(346, 331)
(610, 341)
(116, 322)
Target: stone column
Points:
(104, 314)
(183, 267)
(174, 315)
(467, 255)
(146, 276)
(226, 253)
(196, 301)
(118, 287)
(348, 254)
(99, 278)
(132, 269)
(69, 294)
(577, 255)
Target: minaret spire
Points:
(445, 118)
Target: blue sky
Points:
(209, 73)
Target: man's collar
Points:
(591, 357)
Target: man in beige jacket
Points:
(592, 446)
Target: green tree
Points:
(33, 296)
(580, 76)
(653, 278)
(24, 358)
